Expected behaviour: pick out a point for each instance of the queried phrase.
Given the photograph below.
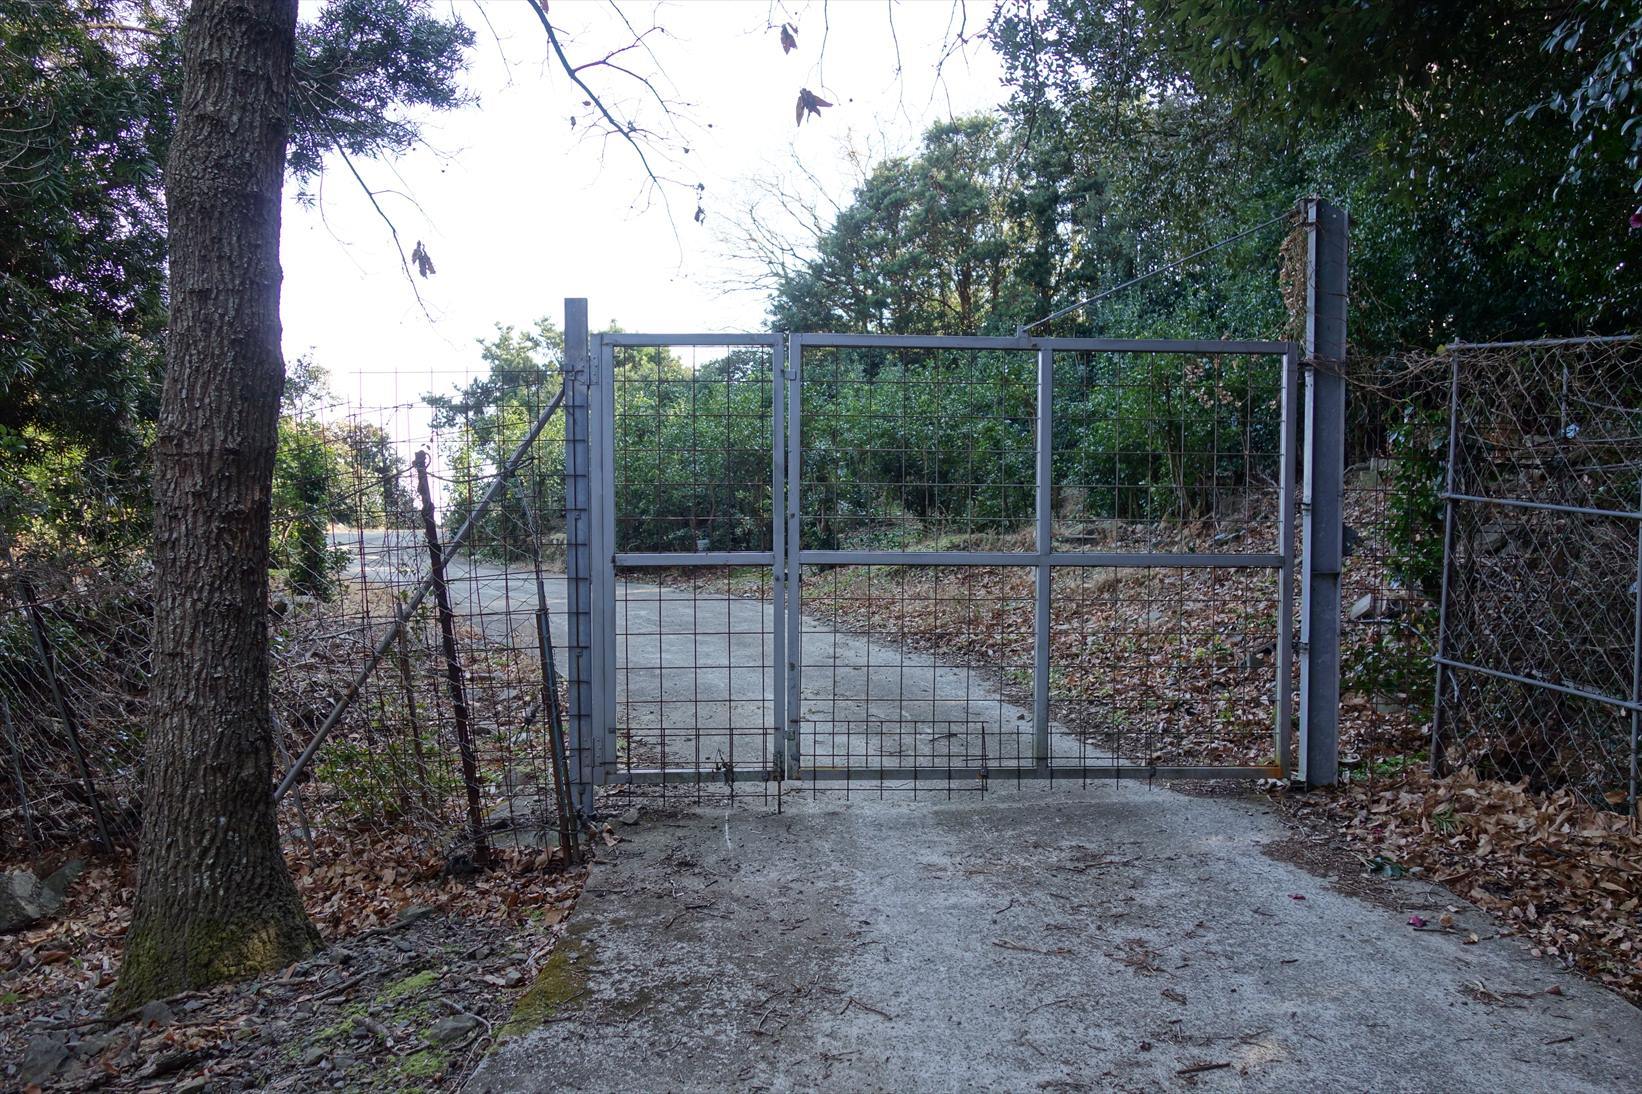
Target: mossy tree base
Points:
(164, 958)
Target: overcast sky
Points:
(518, 210)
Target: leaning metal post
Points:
(1322, 519)
(563, 808)
(578, 526)
(453, 666)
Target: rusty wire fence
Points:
(1540, 650)
(433, 724)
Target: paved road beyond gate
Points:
(945, 561)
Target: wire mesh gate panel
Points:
(1043, 558)
(937, 562)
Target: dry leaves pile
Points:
(1564, 875)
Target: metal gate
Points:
(933, 562)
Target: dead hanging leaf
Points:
(789, 38)
(424, 264)
(809, 103)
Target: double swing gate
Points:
(939, 562)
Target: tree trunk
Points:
(214, 898)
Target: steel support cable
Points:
(1287, 215)
(406, 610)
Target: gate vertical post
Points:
(1322, 517)
(793, 621)
(1044, 505)
(601, 360)
(778, 548)
(578, 527)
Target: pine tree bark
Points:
(214, 898)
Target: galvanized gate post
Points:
(1321, 508)
(1043, 505)
(793, 603)
(578, 525)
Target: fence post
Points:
(1635, 803)
(453, 667)
(71, 726)
(578, 529)
(1322, 518)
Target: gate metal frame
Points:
(1044, 558)
(1307, 433)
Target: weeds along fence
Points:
(444, 734)
(1540, 645)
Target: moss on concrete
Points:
(562, 979)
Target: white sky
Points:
(519, 212)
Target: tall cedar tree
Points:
(214, 899)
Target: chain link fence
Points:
(1540, 650)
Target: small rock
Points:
(313, 1056)
(410, 913)
(92, 1046)
(453, 1028)
(43, 1058)
(512, 978)
(25, 899)
(154, 1015)
(631, 817)
(191, 1086)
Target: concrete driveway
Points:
(695, 682)
(1118, 938)
(1112, 937)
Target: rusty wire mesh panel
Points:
(693, 441)
(1542, 640)
(470, 765)
(347, 548)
